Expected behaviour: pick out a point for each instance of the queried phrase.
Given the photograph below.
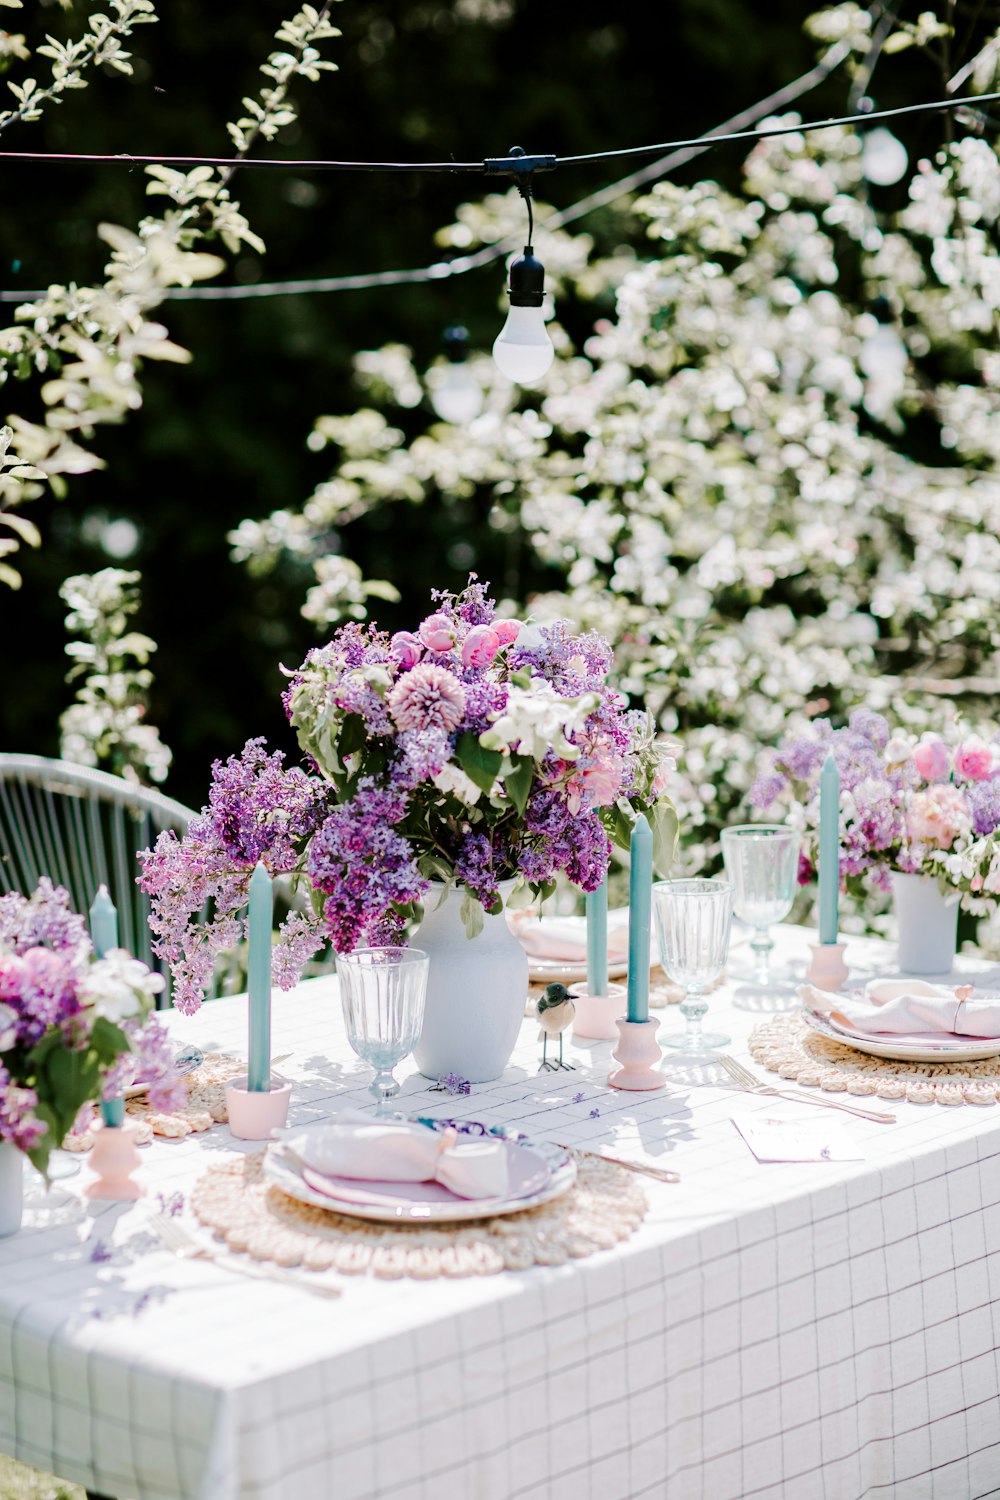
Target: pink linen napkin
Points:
(564, 939)
(908, 1007)
(355, 1146)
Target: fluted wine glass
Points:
(693, 918)
(382, 991)
(762, 865)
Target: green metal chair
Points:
(82, 828)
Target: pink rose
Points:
(506, 631)
(931, 759)
(973, 759)
(437, 633)
(405, 649)
(938, 817)
(480, 646)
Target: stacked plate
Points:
(921, 1047)
(538, 1172)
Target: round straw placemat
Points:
(205, 1107)
(787, 1046)
(252, 1214)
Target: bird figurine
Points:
(555, 1012)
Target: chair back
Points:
(82, 828)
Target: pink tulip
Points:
(480, 646)
(405, 649)
(437, 633)
(931, 759)
(973, 760)
(506, 630)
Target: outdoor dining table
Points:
(827, 1329)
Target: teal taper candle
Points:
(103, 922)
(829, 849)
(597, 940)
(640, 898)
(259, 981)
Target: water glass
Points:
(382, 991)
(693, 918)
(762, 864)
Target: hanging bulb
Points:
(884, 158)
(455, 396)
(523, 350)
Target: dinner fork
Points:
(748, 1081)
(178, 1239)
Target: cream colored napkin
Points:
(908, 1007)
(353, 1145)
(564, 939)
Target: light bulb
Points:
(884, 159)
(523, 350)
(456, 397)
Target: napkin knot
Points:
(355, 1146)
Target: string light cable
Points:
(517, 165)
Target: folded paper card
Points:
(788, 1138)
(355, 1146)
(908, 1007)
(564, 939)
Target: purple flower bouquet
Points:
(472, 751)
(73, 1028)
(921, 807)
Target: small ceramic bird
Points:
(555, 1012)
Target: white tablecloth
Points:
(825, 1330)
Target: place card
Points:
(772, 1138)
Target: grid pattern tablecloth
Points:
(826, 1330)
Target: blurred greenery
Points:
(225, 437)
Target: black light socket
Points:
(526, 280)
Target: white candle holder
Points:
(827, 970)
(638, 1052)
(254, 1113)
(597, 1015)
(114, 1158)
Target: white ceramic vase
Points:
(11, 1189)
(926, 922)
(476, 991)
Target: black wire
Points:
(494, 165)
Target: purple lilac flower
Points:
(170, 1206)
(475, 606)
(558, 841)
(423, 753)
(299, 936)
(871, 726)
(39, 986)
(19, 1126)
(595, 1114)
(152, 1060)
(578, 1097)
(983, 798)
(362, 865)
(43, 920)
(258, 810)
(475, 865)
(767, 788)
(101, 1252)
(451, 1083)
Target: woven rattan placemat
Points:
(251, 1214)
(785, 1045)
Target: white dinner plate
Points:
(540, 1172)
(949, 1049)
(562, 971)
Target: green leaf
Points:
(482, 766)
(352, 735)
(108, 1041)
(664, 823)
(472, 915)
(518, 783)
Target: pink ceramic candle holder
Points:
(827, 970)
(253, 1114)
(597, 1015)
(638, 1052)
(114, 1158)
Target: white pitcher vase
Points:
(11, 1189)
(927, 922)
(476, 991)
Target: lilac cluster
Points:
(19, 1125)
(557, 841)
(257, 810)
(362, 865)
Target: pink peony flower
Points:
(428, 697)
(597, 786)
(438, 633)
(973, 759)
(405, 649)
(480, 646)
(938, 817)
(506, 631)
(931, 759)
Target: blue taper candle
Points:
(259, 981)
(640, 898)
(104, 935)
(829, 849)
(597, 940)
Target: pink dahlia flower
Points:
(438, 633)
(931, 759)
(973, 759)
(480, 646)
(428, 697)
(938, 817)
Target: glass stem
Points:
(761, 945)
(385, 1088)
(693, 1008)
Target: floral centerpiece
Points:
(927, 806)
(471, 751)
(73, 1028)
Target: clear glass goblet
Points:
(382, 991)
(693, 918)
(762, 865)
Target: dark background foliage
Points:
(224, 437)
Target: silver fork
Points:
(178, 1239)
(747, 1081)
